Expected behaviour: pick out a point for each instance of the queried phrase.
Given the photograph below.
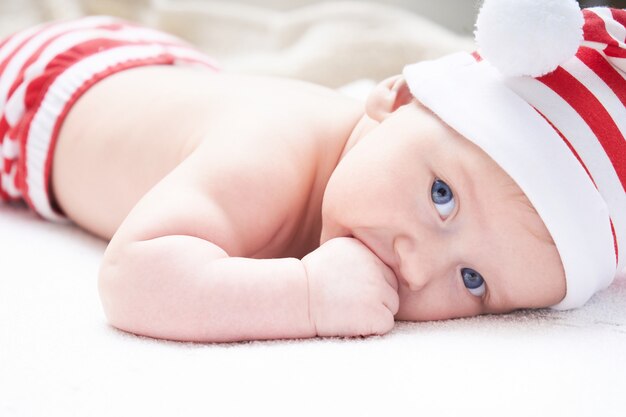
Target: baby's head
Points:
(487, 190)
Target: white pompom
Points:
(529, 37)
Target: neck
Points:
(346, 127)
(363, 126)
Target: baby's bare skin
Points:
(245, 161)
(116, 144)
(217, 191)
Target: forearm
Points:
(185, 288)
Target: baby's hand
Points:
(351, 291)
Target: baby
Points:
(243, 207)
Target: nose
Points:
(419, 268)
(415, 279)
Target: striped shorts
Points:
(44, 70)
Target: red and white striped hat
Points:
(546, 99)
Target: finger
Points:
(390, 276)
(388, 273)
(391, 300)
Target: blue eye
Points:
(443, 198)
(472, 280)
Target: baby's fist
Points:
(351, 291)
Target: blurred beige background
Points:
(331, 43)
(328, 42)
(457, 15)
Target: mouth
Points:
(374, 247)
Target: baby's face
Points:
(460, 235)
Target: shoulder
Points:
(255, 182)
(268, 172)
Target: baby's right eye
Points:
(443, 198)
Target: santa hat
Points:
(545, 97)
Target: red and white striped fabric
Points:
(560, 136)
(44, 70)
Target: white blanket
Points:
(58, 356)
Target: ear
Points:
(387, 97)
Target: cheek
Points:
(343, 200)
(335, 207)
(432, 304)
(360, 189)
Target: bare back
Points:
(198, 151)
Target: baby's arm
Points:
(161, 277)
(186, 288)
(167, 274)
